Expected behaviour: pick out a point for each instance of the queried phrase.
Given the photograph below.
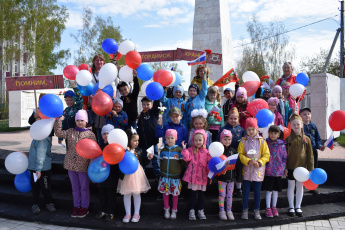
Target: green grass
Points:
(4, 127)
(341, 140)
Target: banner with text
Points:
(34, 82)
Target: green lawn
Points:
(341, 140)
(4, 127)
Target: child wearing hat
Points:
(283, 107)
(169, 103)
(117, 117)
(241, 104)
(75, 164)
(273, 103)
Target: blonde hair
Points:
(93, 68)
(213, 89)
(288, 63)
(202, 119)
(195, 150)
(199, 68)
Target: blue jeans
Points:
(246, 190)
(154, 161)
(132, 124)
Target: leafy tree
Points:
(166, 65)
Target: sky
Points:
(166, 24)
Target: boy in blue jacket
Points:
(117, 117)
(169, 103)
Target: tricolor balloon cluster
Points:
(298, 88)
(216, 150)
(17, 163)
(112, 154)
(310, 180)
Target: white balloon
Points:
(41, 129)
(118, 136)
(301, 174)
(16, 163)
(144, 85)
(216, 149)
(125, 47)
(250, 76)
(296, 90)
(126, 74)
(107, 75)
(83, 77)
(174, 78)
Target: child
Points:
(147, 124)
(108, 188)
(75, 164)
(199, 122)
(196, 173)
(196, 100)
(175, 116)
(254, 154)
(170, 103)
(40, 164)
(171, 168)
(241, 105)
(300, 154)
(117, 117)
(287, 96)
(133, 184)
(283, 107)
(272, 106)
(212, 104)
(229, 97)
(274, 169)
(226, 181)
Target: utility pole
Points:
(342, 39)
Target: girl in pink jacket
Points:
(197, 170)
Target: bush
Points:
(3, 111)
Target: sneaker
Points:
(50, 207)
(275, 211)
(126, 218)
(201, 215)
(244, 215)
(135, 218)
(192, 215)
(75, 212)
(100, 215)
(257, 215)
(173, 214)
(109, 218)
(35, 209)
(82, 212)
(230, 215)
(222, 215)
(167, 213)
(269, 212)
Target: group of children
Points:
(187, 128)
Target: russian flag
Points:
(199, 61)
(329, 143)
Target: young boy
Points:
(130, 101)
(175, 116)
(117, 117)
(176, 101)
(147, 123)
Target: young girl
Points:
(171, 168)
(199, 122)
(287, 96)
(300, 154)
(241, 105)
(283, 107)
(133, 184)
(169, 103)
(274, 169)
(212, 103)
(226, 181)
(254, 154)
(117, 117)
(272, 106)
(75, 164)
(197, 170)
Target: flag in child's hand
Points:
(199, 61)
(329, 143)
(230, 76)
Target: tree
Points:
(267, 50)
(315, 63)
(166, 65)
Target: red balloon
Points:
(84, 67)
(251, 87)
(85, 102)
(156, 74)
(88, 148)
(119, 56)
(101, 103)
(310, 185)
(41, 115)
(113, 153)
(286, 132)
(70, 72)
(165, 78)
(223, 157)
(111, 56)
(337, 120)
(256, 105)
(133, 59)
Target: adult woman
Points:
(200, 72)
(287, 76)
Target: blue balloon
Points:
(110, 46)
(178, 79)
(86, 90)
(154, 91)
(51, 105)
(22, 182)
(108, 90)
(212, 164)
(302, 78)
(264, 117)
(145, 72)
(318, 176)
(98, 170)
(129, 164)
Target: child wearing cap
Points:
(117, 117)
(175, 116)
(171, 164)
(300, 154)
(75, 164)
(273, 103)
(241, 104)
(170, 103)
(254, 154)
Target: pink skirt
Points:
(135, 183)
(196, 187)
